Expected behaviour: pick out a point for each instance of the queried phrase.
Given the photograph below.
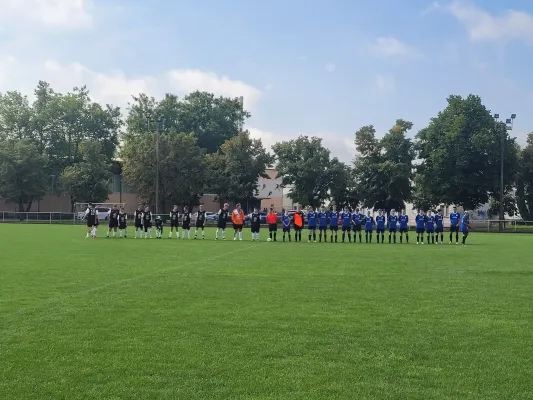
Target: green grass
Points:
(167, 319)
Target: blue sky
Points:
(304, 67)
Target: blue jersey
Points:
(346, 219)
(420, 221)
(464, 223)
(322, 219)
(286, 221)
(357, 219)
(455, 218)
(393, 221)
(404, 221)
(311, 219)
(369, 223)
(439, 221)
(430, 223)
(333, 218)
(380, 222)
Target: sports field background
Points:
(168, 319)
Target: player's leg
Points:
(451, 234)
(457, 235)
(465, 235)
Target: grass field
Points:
(167, 319)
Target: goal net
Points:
(102, 209)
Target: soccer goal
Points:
(102, 210)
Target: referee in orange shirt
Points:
(272, 220)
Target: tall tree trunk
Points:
(28, 206)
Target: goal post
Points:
(101, 210)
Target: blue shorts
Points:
(454, 228)
(430, 231)
(380, 230)
(334, 228)
(439, 229)
(420, 230)
(368, 230)
(393, 230)
(404, 229)
(346, 228)
(322, 228)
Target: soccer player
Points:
(404, 226)
(439, 227)
(222, 221)
(199, 222)
(147, 222)
(322, 224)
(455, 219)
(346, 218)
(138, 217)
(420, 221)
(96, 225)
(90, 216)
(311, 224)
(255, 224)
(186, 223)
(174, 222)
(334, 223)
(380, 226)
(122, 223)
(465, 226)
(286, 224)
(357, 219)
(298, 221)
(112, 216)
(272, 221)
(393, 225)
(237, 218)
(158, 227)
(369, 226)
(430, 227)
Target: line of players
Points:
(430, 225)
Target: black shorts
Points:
(113, 223)
(430, 230)
(138, 225)
(380, 230)
(255, 228)
(454, 228)
(122, 226)
(404, 230)
(272, 227)
(368, 230)
(311, 228)
(420, 230)
(357, 228)
(286, 229)
(200, 225)
(334, 228)
(237, 227)
(174, 223)
(147, 225)
(322, 228)
(186, 226)
(221, 224)
(91, 222)
(439, 229)
(298, 228)
(346, 228)
(392, 230)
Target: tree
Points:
(509, 205)
(212, 119)
(15, 116)
(181, 167)
(384, 167)
(235, 170)
(89, 179)
(305, 165)
(524, 181)
(460, 154)
(22, 173)
(342, 190)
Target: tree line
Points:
(67, 143)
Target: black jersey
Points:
(147, 217)
(122, 217)
(174, 216)
(200, 218)
(255, 219)
(223, 215)
(158, 222)
(186, 218)
(138, 217)
(113, 215)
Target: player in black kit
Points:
(200, 222)
(122, 222)
(147, 222)
(223, 214)
(112, 216)
(90, 216)
(255, 224)
(158, 227)
(174, 222)
(186, 223)
(138, 221)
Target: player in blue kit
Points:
(404, 226)
(322, 224)
(346, 218)
(357, 219)
(380, 226)
(286, 225)
(455, 219)
(430, 227)
(420, 221)
(369, 225)
(439, 227)
(333, 217)
(393, 225)
(311, 224)
(465, 226)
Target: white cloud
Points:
(392, 47)
(342, 147)
(330, 67)
(188, 80)
(115, 87)
(70, 14)
(484, 26)
(384, 84)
